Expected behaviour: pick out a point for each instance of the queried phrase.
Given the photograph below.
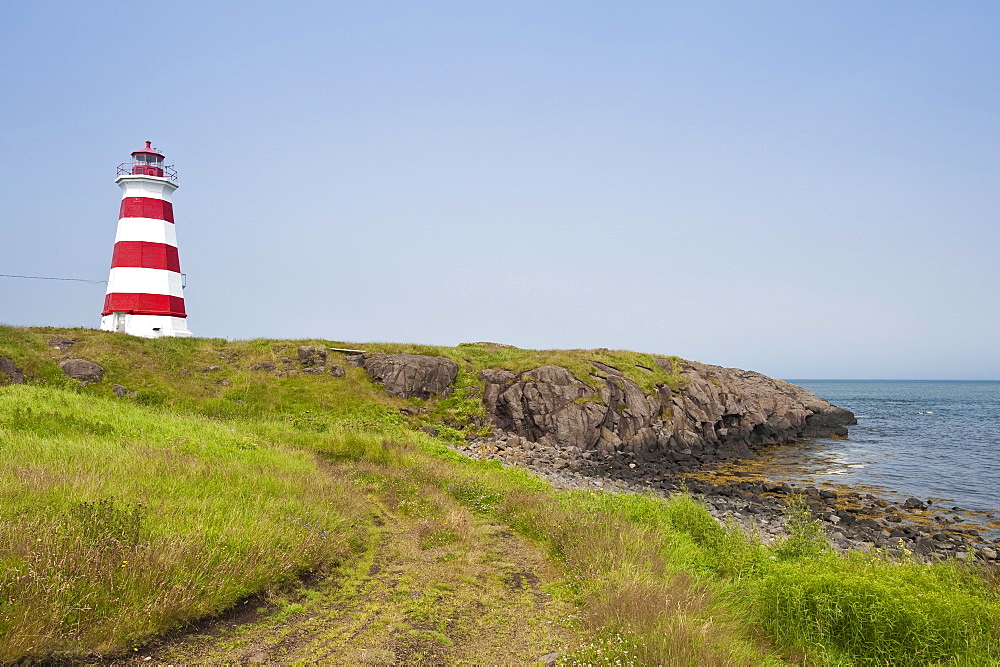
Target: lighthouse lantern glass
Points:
(147, 162)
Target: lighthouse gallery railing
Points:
(144, 169)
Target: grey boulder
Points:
(411, 375)
(83, 371)
(8, 368)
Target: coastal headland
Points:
(331, 499)
(603, 419)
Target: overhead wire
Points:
(80, 280)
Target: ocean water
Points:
(927, 439)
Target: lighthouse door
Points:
(120, 322)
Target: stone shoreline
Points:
(851, 519)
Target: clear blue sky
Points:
(807, 189)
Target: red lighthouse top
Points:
(148, 150)
(147, 162)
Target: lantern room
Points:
(147, 162)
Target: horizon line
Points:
(883, 380)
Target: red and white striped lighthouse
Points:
(146, 288)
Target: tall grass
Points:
(118, 522)
(867, 610)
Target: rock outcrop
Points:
(81, 370)
(721, 413)
(121, 391)
(718, 414)
(411, 375)
(263, 366)
(61, 343)
(10, 372)
(311, 356)
(546, 405)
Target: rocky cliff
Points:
(547, 414)
(719, 414)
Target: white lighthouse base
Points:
(147, 326)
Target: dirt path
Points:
(433, 584)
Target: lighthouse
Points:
(146, 287)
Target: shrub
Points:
(805, 534)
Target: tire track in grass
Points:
(441, 585)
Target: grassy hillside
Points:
(171, 372)
(323, 525)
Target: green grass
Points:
(865, 610)
(118, 521)
(123, 518)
